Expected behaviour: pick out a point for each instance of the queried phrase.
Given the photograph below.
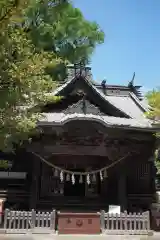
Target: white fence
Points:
(126, 224)
(29, 221)
(45, 222)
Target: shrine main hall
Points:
(95, 149)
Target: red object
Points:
(1, 207)
(79, 223)
(155, 221)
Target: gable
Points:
(83, 107)
(79, 84)
(74, 103)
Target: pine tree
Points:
(59, 27)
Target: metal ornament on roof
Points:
(80, 68)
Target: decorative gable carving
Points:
(83, 106)
(78, 91)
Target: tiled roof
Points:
(58, 91)
(62, 118)
(129, 105)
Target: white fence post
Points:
(148, 220)
(53, 220)
(33, 218)
(5, 218)
(125, 223)
(102, 221)
(25, 221)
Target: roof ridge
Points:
(137, 101)
(101, 94)
(55, 92)
(106, 98)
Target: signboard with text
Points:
(114, 209)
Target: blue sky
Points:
(132, 40)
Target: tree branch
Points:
(9, 11)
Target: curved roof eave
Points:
(51, 119)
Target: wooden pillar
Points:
(35, 182)
(122, 193)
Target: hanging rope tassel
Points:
(101, 176)
(57, 170)
(61, 176)
(80, 179)
(73, 179)
(67, 177)
(88, 179)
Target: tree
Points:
(154, 113)
(23, 83)
(154, 103)
(37, 37)
(59, 27)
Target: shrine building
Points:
(95, 149)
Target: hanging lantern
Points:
(80, 179)
(56, 172)
(105, 173)
(73, 179)
(88, 179)
(94, 178)
(61, 176)
(67, 177)
(101, 176)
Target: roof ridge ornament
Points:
(103, 84)
(134, 88)
(131, 83)
(80, 69)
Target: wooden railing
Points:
(29, 221)
(125, 223)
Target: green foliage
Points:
(62, 29)
(23, 82)
(154, 102)
(37, 39)
(157, 160)
(153, 98)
